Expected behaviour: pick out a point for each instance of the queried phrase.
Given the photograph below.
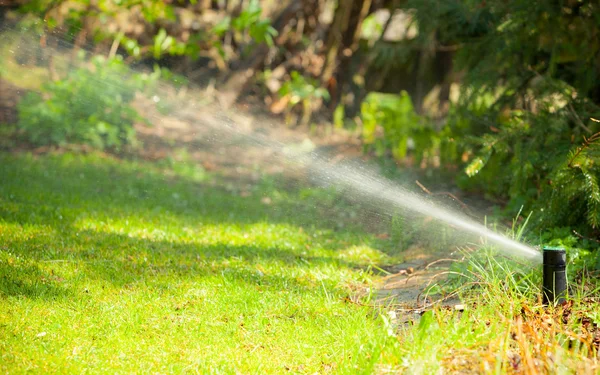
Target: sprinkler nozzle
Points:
(555, 275)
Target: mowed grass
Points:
(111, 266)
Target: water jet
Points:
(554, 275)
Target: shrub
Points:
(302, 90)
(529, 90)
(90, 106)
(390, 124)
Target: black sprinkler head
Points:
(555, 275)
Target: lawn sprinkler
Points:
(555, 275)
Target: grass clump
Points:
(503, 327)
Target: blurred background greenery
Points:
(500, 97)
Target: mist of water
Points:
(356, 180)
(367, 186)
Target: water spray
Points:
(554, 275)
(358, 181)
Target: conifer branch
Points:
(587, 142)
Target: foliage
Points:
(529, 80)
(529, 90)
(575, 182)
(74, 16)
(302, 90)
(90, 106)
(250, 21)
(390, 123)
(164, 43)
(299, 89)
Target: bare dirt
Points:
(226, 140)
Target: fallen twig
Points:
(578, 120)
(433, 278)
(446, 193)
(584, 237)
(439, 261)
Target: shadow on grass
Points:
(28, 280)
(122, 260)
(50, 186)
(57, 191)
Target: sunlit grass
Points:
(109, 267)
(112, 266)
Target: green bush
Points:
(251, 21)
(390, 124)
(530, 87)
(302, 90)
(90, 106)
(159, 38)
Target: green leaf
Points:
(477, 164)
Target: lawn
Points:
(112, 266)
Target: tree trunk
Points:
(335, 38)
(342, 42)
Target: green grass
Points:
(112, 266)
(504, 327)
